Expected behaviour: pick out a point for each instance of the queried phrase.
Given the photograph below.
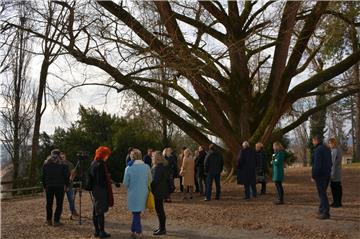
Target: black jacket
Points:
(246, 167)
(54, 173)
(199, 163)
(172, 164)
(322, 162)
(147, 160)
(214, 163)
(160, 184)
(261, 162)
(97, 177)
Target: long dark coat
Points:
(160, 184)
(246, 167)
(199, 163)
(99, 186)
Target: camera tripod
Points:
(80, 188)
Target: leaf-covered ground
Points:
(231, 217)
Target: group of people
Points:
(57, 178)
(326, 169)
(252, 167)
(326, 160)
(156, 171)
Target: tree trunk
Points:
(356, 80)
(165, 138)
(38, 114)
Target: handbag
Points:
(150, 201)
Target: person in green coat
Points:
(278, 171)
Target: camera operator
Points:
(70, 192)
(100, 185)
(55, 179)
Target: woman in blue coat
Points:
(137, 179)
(278, 171)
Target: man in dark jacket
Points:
(172, 166)
(321, 172)
(147, 157)
(199, 166)
(246, 169)
(55, 179)
(213, 167)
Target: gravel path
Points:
(230, 217)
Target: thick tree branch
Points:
(312, 55)
(216, 12)
(199, 119)
(203, 27)
(134, 24)
(194, 102)
(259, 66)
(259, 11)
(303, 39)
(188, 128)
(288, 21)
(277, 134)
(325, 75)
(342, 17)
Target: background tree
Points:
(16, 92)
(95, 128)
(340, 44)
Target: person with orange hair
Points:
(100, 183)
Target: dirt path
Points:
(230, 217)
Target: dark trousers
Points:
(209, 181)
(263, 187)
(336, 190)
(98, 221)
(280, 191)
(181, 185)
(58, 193)
(196, 183)
(136, 223)
(321, 185)
(247, 190)
(159, 207)
(202, 183)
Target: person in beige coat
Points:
(188, 173)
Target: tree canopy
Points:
(236, 67)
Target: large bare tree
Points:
(238, 67)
